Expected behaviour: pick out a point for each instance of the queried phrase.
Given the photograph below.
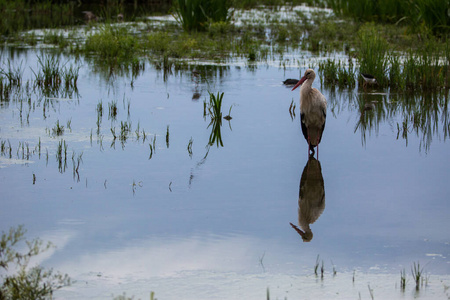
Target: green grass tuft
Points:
(196, 15)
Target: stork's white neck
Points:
(306, 85)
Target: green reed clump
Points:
(125, 129)
(417, 273)
(368, 10)
(334, 72)
(112, 110)
(159, 42)
(113, 44)
(50, 71)
(328, 71)
(55, 38)
(61, 155)
(215, 106)
(58, 129)
(347, 75)
(70, 75)
(433, 66)
(396, 79)
(214, 109)
(12, 73)
(197, 14)
(372, 55)
(432, 14)
(426, 69)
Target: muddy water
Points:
(196, 221)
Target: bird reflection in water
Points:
(311, 200)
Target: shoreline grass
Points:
(432, 14)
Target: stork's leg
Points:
(317, 143)
(309, 145)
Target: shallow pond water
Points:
(162, 211)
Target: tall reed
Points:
(336, 73)
(373, 53)
(196, 14)
(431, 13)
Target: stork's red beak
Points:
(299, 83)
(302, 234)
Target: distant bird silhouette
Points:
(368, 79)
(290, 82)
(313, 111)
(311, 198)
(89, 16)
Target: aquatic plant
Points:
(112, 109)
(113, 44)
(403, 280)
(125, 129)
(58, 130)
(417, 273)
(167, 137)
(334, 72)
(55, 38)
(334, 269)
(316, 266)
(152, 146)
(372, 55)
(76, 165)
(189, 147)
(70, 75)
(370, 291)
(61, 155)
(213, 108)
(292, 110)
(431, 13)
(215, 105)
(322, 270)
(50, 72)
(100, 108)
(197, 14)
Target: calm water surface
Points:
(215, 224)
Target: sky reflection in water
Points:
(151, 224)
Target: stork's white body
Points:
(313, 110)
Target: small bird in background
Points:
(368, 79)
(89, 16)
(290, 82)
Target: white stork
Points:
(313, 111)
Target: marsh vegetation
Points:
(137, 97)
